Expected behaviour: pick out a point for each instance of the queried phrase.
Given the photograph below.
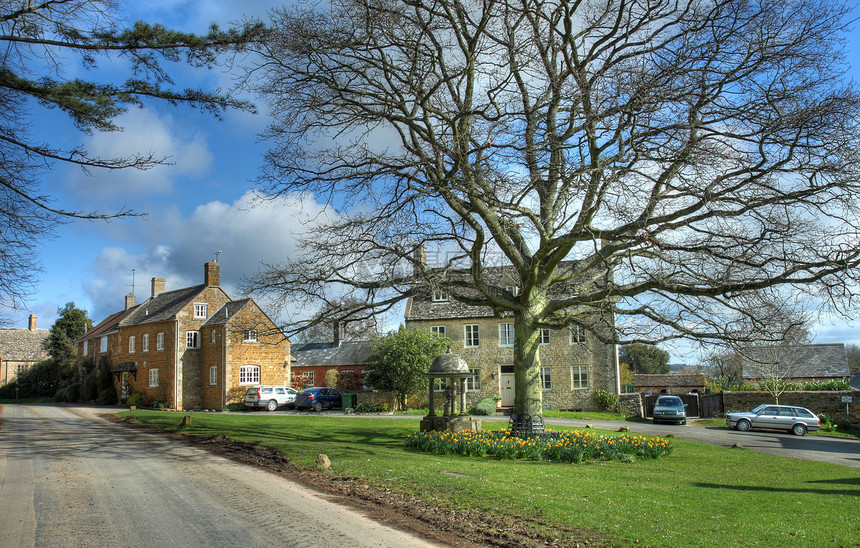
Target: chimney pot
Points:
(338, 332)
(32, 324)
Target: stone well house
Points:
(20, 348)
(573, 362)
(188, 347)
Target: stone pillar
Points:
(432, 398)
(462, 396)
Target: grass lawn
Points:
(700, 495)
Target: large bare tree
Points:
(658, 160)
(46, 45)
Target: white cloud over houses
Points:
(246, 232)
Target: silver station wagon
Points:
(797, 420)
(270, 397)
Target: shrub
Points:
(136, 399)
(236, 394)
(89, 387)
(487, 406)
(107, 396)
(831, 384)
(605, 399)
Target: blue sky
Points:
(195, 207)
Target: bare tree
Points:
(42, 43)
(657, 161)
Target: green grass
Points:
(700, 495)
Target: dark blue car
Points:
(318, 398)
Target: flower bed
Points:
(568, 446)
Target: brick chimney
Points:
(129, 301)
(32, 322)
(212, 274)
(338, 332)
(157, 286)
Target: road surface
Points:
(71, 479)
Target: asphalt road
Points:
(71, 479)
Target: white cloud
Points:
(246, 232)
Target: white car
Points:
(269, 396)
(797, 420)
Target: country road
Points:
(69, 479)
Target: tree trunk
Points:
(529, 394)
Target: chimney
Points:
(212, 274)
(338, 332)
(32, 322)
(419, 263)
(157, 286)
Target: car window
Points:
(265, 390)
(672, 402)
(279, 391)
(801, 412)
(252, 392)
(770, 411)
(787, 412)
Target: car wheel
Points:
(271, 405)
(683, 422)
(743, 425)
(318, 407)
(798, 429)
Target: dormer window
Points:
(440, 296)
(201, 310)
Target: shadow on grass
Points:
(761, 488)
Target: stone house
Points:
(574, 363)
(188, 347)
(311, 361)
(21, 348)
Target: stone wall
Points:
(826, 402)
(630, 404)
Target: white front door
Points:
(506, 388)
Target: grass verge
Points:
(697, 496)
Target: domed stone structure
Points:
(453, 371)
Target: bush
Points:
(107, 396)
(237, 394)
(487, 406)
(136, 399)
(832, 384)
(605, 399)
(89, 387)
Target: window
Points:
(546, 378)
(440, 329)
(22, 367)
(144, 343)
(506, 334)
(200, 310)
(159, 341)
(577, 334)
(249, 374)
(544, 336)
(86, 347)
(473, 381)
(153, 378)
(103, 344)
(212, 337)
(472, 337)
(250, 335)
(213, 375)
(192, 339)
(579, 376)
(309, 375)
(131, 344)
(440, 296)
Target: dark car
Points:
(318, 398)
(670, 409)
(797, 420)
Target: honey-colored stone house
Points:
(21, 348)
(573, 362)
(188, 347)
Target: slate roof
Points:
(679, 380)
(107, 325)
(23, 345)
(813, 361)
(162, 307)
(330, 354)
(226, 312)
(422, 307)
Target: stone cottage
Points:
(20, 348)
